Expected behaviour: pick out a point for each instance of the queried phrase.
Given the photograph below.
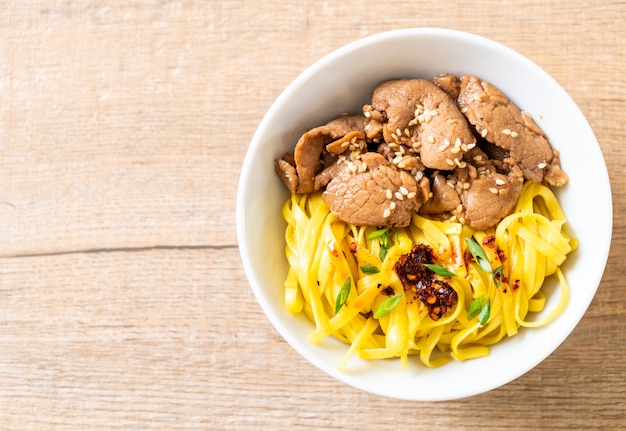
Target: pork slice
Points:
(448, 83)
(312, 144)
(421, 115)
(382, 196)
(287, 173)
(502, 123)
(492, 196)
(444, 198)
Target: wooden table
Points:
(123, 127)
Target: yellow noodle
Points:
(324, 253)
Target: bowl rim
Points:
(305, 75)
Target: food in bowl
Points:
(343, 81)
(424, 225)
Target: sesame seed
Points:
(345, 144)
(404, 190)
(462, 220)
(398, 132)
(451, 121)
(431, 139)
(392, 205)
(399, 196)
(506, 132)
(394, 136)
(407, 132)
(434, 113)
(389, 194)
(450, 162)
(514, 134)
(471, 145)
(418, 176)
(464, 109)
(464, 148)
(386, 213)
(459, 208)
(411, 195)
(484, 133)
(477, 158)
(442, 148)
(466, 185)
(455, 150)
(367, 114)
(493, 190)
(542, 165)
(500, 181)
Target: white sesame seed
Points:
(464, 109)
(399, 196)
(450, 162)
(404, 190)
(434, 113)
(389, 194)
(392, 205)
(466, 185)
(451, 121)
(506, 132)
(367, 114)
(514, 134)
(471, 145)
(398, 132)
(431, 139)
(418, 176)
(500, 181)
(477, 158)
(493, 190)
(459, 208)
(542, 165)
(484, 133)
(455, 150)
(386, 213)
(394, 136)
(411, 195)
(407, 132)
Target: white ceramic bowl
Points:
(342, 82)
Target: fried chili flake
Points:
(436, 294)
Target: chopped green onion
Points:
(439, 269)
(369, 269)
(385, 244)
(382, 253)
(342, 297)
(377, 233)
(485, 312)
(474, 307)
(478, 254)
(497, 276)
(389, 304)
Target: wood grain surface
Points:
(123, 127)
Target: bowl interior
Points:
(342, 82)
